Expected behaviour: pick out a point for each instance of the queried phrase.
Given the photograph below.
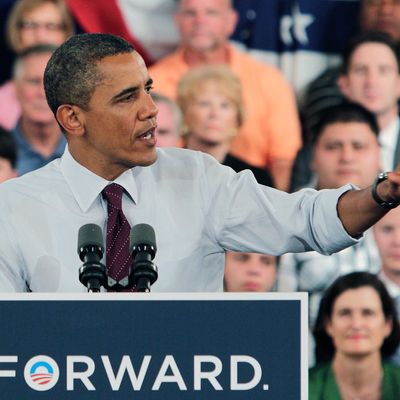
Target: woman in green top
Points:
(356, 330)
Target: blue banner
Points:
(120, 346)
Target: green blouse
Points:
(322, 384)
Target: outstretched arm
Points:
(358, 210)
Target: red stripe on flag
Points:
(104, 16)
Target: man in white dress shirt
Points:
(99, 90)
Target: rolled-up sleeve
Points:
(246, 216)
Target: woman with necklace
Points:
(356, 331)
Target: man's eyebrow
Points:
(123, 93)
(130, 90)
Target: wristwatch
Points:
(382, 203)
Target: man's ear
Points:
(232, 21)
(312, 159)
(398, 86)
(72, 119)
(343, 83)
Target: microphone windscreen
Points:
(142, 234)
(90, 235)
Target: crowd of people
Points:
(213, 98)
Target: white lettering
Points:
(83, 375)
(11, 372)
(126, 366)
(199, 374)
(235, 385)
(176, 376)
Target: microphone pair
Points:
(142, 247)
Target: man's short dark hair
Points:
(345, 112)
(8, 148)
(71, 75)
(368, 37)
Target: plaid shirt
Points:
(312, 272)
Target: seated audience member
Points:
(8, 156)
(324, 91)
(356, 331)
(249, 272)
(37, 133)
(31, 22)
(345, 149)
(269, 137)
(387, 238)
(169, 121)
(370, 76)
(211, 102)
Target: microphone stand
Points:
(144, 272)
(92, 274)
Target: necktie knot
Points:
(113, 194)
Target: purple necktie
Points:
(118, 259)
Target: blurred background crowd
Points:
(303, 93)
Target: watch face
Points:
(381, 203)
(382, 175)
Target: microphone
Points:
(92, 273)
(143, 249)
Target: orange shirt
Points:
(271, 129)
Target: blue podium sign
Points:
(154, 346)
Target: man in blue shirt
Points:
(37, 133)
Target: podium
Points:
(154, 346)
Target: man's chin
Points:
(146, 162)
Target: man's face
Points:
(346, 152)
(381, 15)
(43, 25)
(387, 237)
(373, 79)
(249, 272)
(30, 89)
(121, 118)
(166, 132)
(205, 25)
(6, 170)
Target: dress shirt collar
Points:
(388, 136)
(86, 186)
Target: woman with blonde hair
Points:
(210, 98)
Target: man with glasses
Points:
(29, 23)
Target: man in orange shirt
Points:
(270, 136)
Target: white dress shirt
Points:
(198, 209)
(388, 140)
